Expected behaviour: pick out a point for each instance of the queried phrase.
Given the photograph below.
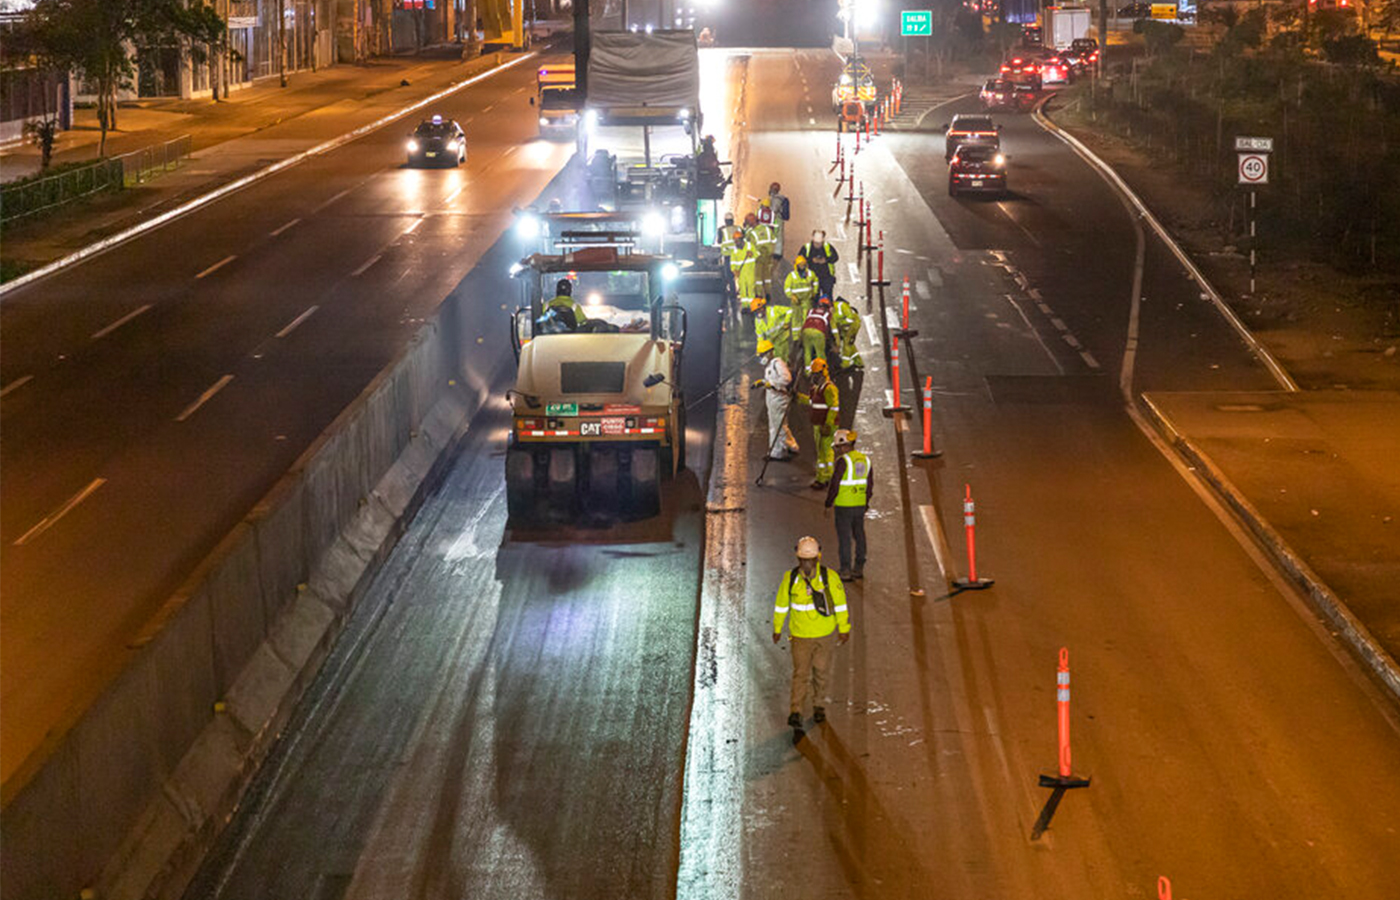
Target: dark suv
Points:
(977, 167)
(967, 130)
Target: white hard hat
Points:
(808, 548)
(843, 436)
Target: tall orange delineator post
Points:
(904, 330)
(1164, 888)
(971, 582)
(928, 452)
(896, 408)
(1064, 778)
(850, 189)
(880, 281)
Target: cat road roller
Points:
(598, 417)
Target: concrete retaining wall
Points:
(128, 799)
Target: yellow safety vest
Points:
(855, 480)
(564, 301)
(800, 288)
(772, 325)
(728, 240)
(847, 327)
(764, 237)
(743, 256)
(795, 604)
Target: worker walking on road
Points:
(812, 600)
(772, 322)
(850, 493)
(777, 395)
(825, 403)
(816, 331)
(822, 257)
(765, 238)
(743, 261)
(774, 210)
(800, 287)
(849, 373)
(728, 239)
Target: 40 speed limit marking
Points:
(1254, 168)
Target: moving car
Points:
(969, 130)
(977, 167)
(437, 141)
(1054, 70)
(1083, 54)
(1135, 11)
(998, 93)
(1022, 70)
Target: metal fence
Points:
(142, 165)
(19, 201)
(26, 198)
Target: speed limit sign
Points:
(1254, 168)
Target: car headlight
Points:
(412, 146)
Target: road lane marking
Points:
(1034, 294)
(1088, 359)
(288, 328)
(1071, 340)
(52, 518)
(285, 227)
(1038, 339)
(855, 271)
(204, 398)
(332, 200)
(933, 526)
(295, 159)
(102, 333)
(841, 231)
(810, 120)
(1045, 308)
(454, 195)
(489, 108)
(216, 267)
(870, 331)
(416, 222)
(17, 383)
(369, 262)
(1059, 324)
(924, 291)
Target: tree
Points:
(99, 39)
(208, 33)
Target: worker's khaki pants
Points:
(811, 665)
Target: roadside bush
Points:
(1351, 50)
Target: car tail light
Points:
(528, 424)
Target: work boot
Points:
(818, 485)
(819, 714)
(846, 575)
(860, 572)
(795, 721)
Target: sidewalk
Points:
(1313, 475)
(254, 128)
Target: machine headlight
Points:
(846, 80)
(590, 119)
(685, 113)
(653, 224)
(670, 272)
(528, 227)
(998, 160)
(412, 146)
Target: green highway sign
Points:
(916, 23)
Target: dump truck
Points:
(598, 413)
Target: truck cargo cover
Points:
(629, 69)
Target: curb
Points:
(1276, 369)
(190, 206)
(1357, 637)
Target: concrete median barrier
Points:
(129, 796)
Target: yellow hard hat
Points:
(818, 365)
(757, 304)
(765, 202)
(800, 261)
(764, 346)
(808, 548)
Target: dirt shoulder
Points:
(1329, 329)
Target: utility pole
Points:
(282, 39)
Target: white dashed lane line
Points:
(923, 289)
(204, 398)
(367, 263)
(216, 267)
(16, 384)
(285, 227)
(52, 518)
(290, 326)
(103, 332)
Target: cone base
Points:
(1063, 781)
(964, 584)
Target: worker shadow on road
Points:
(868, 839)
